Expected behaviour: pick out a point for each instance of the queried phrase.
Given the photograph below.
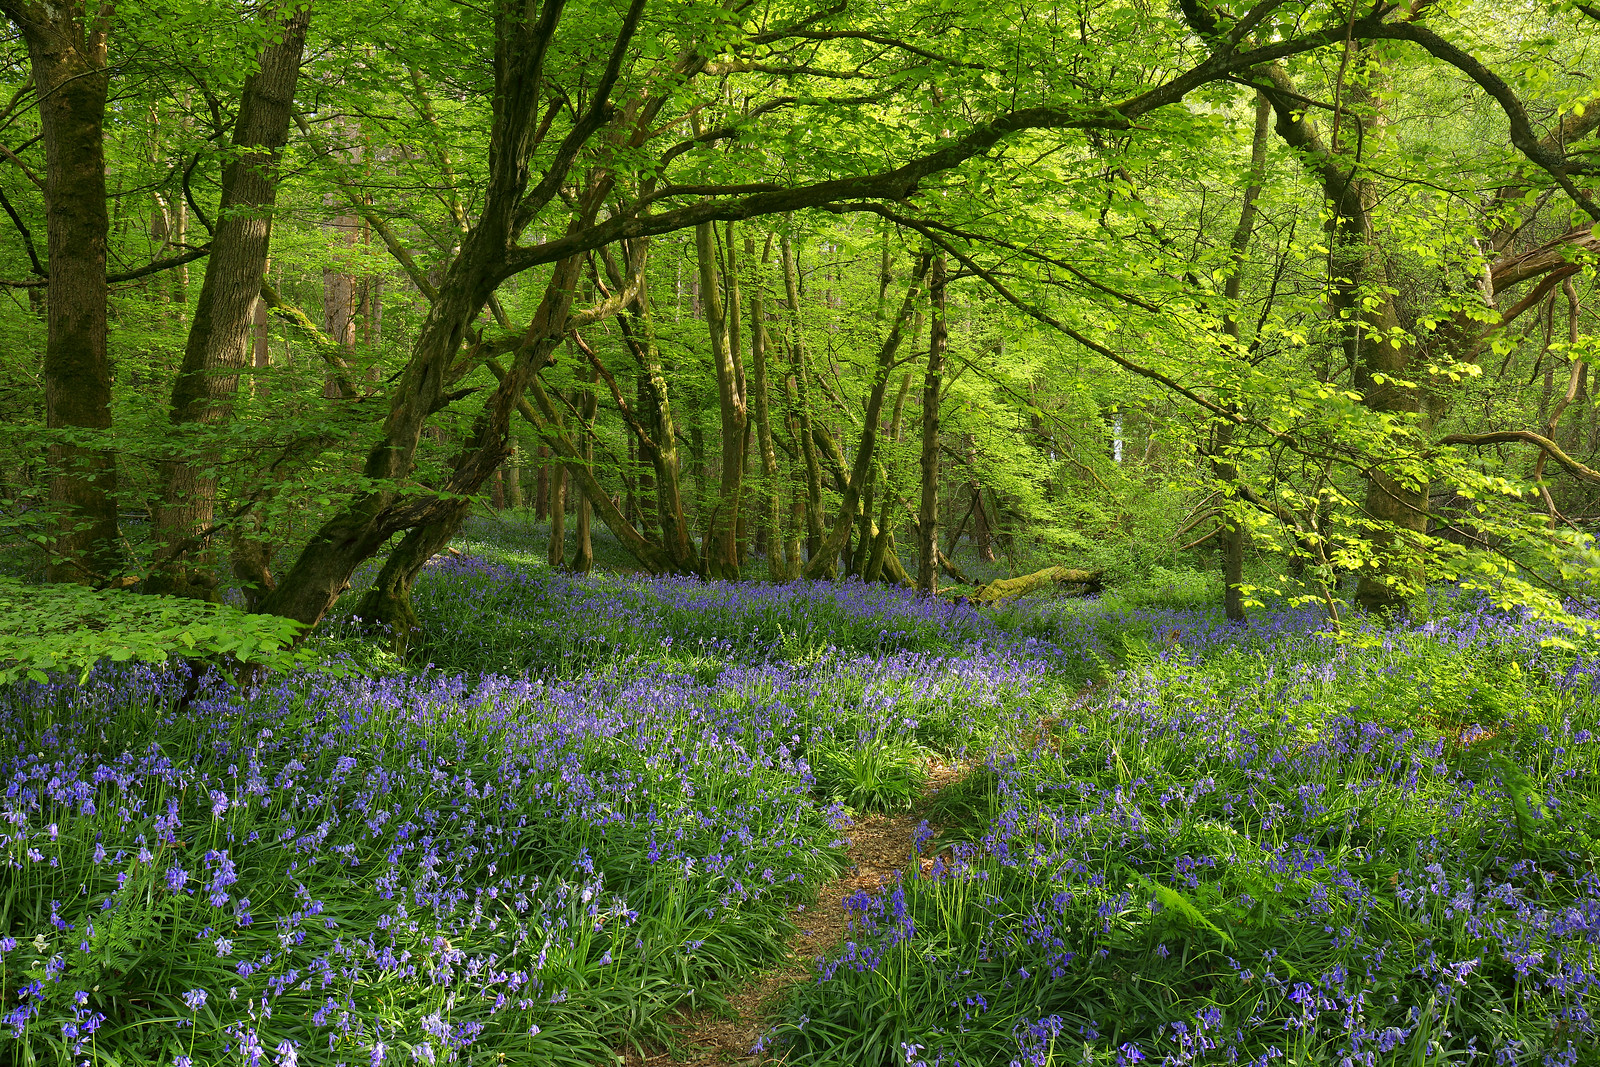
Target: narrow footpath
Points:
(879, 850)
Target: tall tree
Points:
(219, 342)
(67, 43)
(932, 391)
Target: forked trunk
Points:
(386, 607)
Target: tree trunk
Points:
(883, 538)
(514, 478)
(1230, 538)
(982, 534)
(928, 511)
(1397, 499)
(557, 553)
(771, 519)
(583, 561)
(260, 347)
(386, 607)
(1007, 588)
(67, 55)
(802, 405)
(656, 432)
(722, 322)
(219, 341)
(341, 292)
(541, 485)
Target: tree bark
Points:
(219, 341)
(386, 607)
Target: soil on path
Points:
(879, 849)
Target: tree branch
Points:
(1549, 447)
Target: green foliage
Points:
(70, 628)
(869, 774)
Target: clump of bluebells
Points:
(1261, 845)
(431, 867)
(483, 615)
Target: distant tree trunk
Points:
(583, 561)
(932, 385)
(771, 526)
(802, 406)
(341, 291)
(722, 322)
(260, 347)
(497, 490)
(655, 430)
(557, 554)
(219, 341)
(861, 469)
(514, 476)
(981, 527)
(67, 55)
(644, 492)
(541, 484)
(697, 465)
(883, 540)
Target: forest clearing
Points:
(796, 531)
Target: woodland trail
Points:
(879, 849)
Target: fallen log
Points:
(1007, 588)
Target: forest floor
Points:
(589, 798)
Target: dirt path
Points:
(879, 849)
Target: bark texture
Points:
(67, 54)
